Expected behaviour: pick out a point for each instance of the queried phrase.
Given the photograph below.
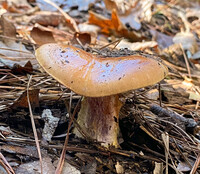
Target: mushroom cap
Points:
(87, 75)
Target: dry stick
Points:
(4, 167)
(167, 153)
(160, 96)
(165, 138)
(116, 41)
(17, 58)
(20, 79)
(17, 39)
(6, 164)
(197, 105)
(182, 154)
(196, 165)
(62, 158)
(33, 125)
(9, 49)
(186, 61)
(67, 17)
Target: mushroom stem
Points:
(99, 117)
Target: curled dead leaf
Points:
(22, 101)
(81, 38)
(18, 69)
(114, 26)
(42, 37)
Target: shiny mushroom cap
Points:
(88, 75)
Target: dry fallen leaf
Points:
(8, 26)
(22, 102)
(48, 168)
(137, 45)
(84, 38)
(47, 18)
(114, 26)
(122, 7)
(90, 29)
(12, 52)
(131, 12)
(68, 168)
(152, 94)
(17, 6)
(119, 168)
(18, 69)
(162, 39)
(184, 166)
(187, 40)
(5, 131)
(42, 37)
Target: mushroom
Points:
(99, 80)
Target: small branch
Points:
(186, 61)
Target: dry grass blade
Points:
(33, 126)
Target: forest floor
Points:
(159, 124)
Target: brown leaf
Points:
(23, 150)
(114, 26)
(18, 69)
(42, 37)
(84, 38)
(29, 167)
(136, 45)
(5, 131)
(131, 12)
(15, 52)
(47, 18)
(16, 6)
(8, 26)
(22, 101)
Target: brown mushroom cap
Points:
(90, 76)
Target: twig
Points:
(197, 105)
(160, 95)
(182, 154)
(62, 158)
(6, 165)
(165, 138)
(196, 164)
(116, 41)
(33, 125)
(186, 61)
(14, 50)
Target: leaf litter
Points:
(159, 124)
